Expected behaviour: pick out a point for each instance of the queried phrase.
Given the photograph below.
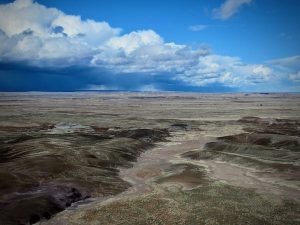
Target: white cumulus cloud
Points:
(227, 70)
(47, 37)
(134, 40)
(31, 31)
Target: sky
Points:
(138, 45)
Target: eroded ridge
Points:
(45, 169)
(269, 151)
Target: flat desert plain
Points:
(149, 158)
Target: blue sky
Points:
(187, 45)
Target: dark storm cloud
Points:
(21, 77)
